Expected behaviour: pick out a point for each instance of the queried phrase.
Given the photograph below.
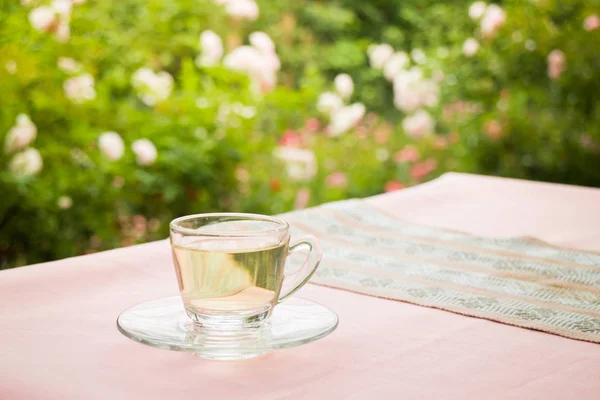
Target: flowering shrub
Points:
(119, 116)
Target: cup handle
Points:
(299, 279)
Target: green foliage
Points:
(498, 112)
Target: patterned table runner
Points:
(516, 281)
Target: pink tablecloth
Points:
(58, 338)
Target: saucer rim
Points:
(285, 345)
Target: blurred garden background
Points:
(117, 116)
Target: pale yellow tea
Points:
(217, 276)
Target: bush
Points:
(195, 132)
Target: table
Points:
(58, 338)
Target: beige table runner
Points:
(516, 281)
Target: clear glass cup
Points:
(230, 267)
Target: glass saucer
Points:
(164, 323)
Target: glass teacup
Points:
(230, 267)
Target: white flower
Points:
(43, 18)
(211, 46)
(406, 101)
(111, 144)
(382, 154)
(265, 46)
(418, 56)
(556, 64)
(63, 32)
(64, 202)
(344, 85)
(152, 88)
(477, 9)
(145, 151)
(418, 125)
(345, 118)
(20, 135)
(63, 7)
(270, 60)
(379, 54)
(328, 102)
(412, 92)
(80, 89)
(301, 164)
(26, 163)
(68, 65)
(242, 9)
(242, 58)
(264, 79)
(11, 67)
(470, 47)
(261, 41)
(492, 20)
(429, 92)
(260, 66)
(395, 64)
(405, 78)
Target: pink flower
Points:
(392, 186)
(290, 139)
(337, 179)
(312, 125)
(242, 174)
(381, 135)
(139, 221)
(423, 168)
(153, 224)
(408, 154)
(454, 137)
(302, 199)
(556, 64)
(592, 22)
(440, 142)
(493, 130)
